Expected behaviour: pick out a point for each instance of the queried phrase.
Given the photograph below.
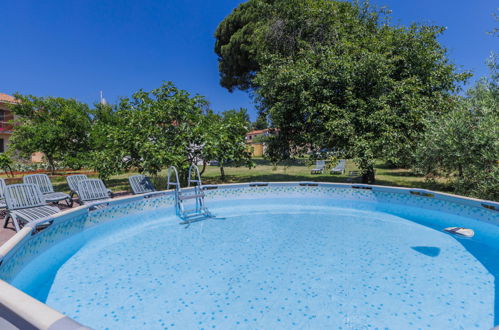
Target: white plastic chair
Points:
(26, 203)
(47, 189)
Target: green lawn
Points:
(296, 170)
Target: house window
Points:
(2, 115)
(2, 147)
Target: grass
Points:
(296, 170)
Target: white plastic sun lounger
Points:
(319, 167)
(73, 184)
(92, 190)
(340, 167)
(141, 184)
(26, 203)
(43, 182)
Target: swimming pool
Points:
(277, 256)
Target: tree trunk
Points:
(368, 176)
(204, 168)
(183, 177)
(51, 164)
(222, 172)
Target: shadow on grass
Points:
(385, 166)
(416, 184)
(276, 177)
(118, 184)
(266, 162)
(408, 174)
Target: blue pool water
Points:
(283, 263)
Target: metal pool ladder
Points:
(195, 194)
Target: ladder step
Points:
(180, 196)
(184, 197)
(194, 213)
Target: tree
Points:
(260, 122)
(337, 76)
(6, 163)
(463, 144)
(224, 139)
(236, 44)
(56, 126)
(149, 131)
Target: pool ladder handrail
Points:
(172, 169)
(200, 209)
(197, 177)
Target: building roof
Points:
(4, 98)
(262, 131)
(259, 131)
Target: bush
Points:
(463, 144)
(6, 163)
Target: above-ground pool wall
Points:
(29, 242)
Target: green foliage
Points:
(335, 75)
(224, 139)
(259, 28)
(260, 122)
(236, 44)
(167, 126)
(463, 144)
(56, 126)
(6, 163)
(149, 131)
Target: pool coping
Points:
(24, 308)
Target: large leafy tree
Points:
(149, 131)
(56, 126)
(463, 145)
(224, 139)
(335, 75)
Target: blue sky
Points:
(75, 48)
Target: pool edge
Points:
(41, 316)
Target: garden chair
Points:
(141, 184)
(26, 203)
(73, 184)
(92, 190)
(319, 167)
(340, 167)
(43, 182)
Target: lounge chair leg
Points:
(6, 221)
(69, 201)
(14, 221)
